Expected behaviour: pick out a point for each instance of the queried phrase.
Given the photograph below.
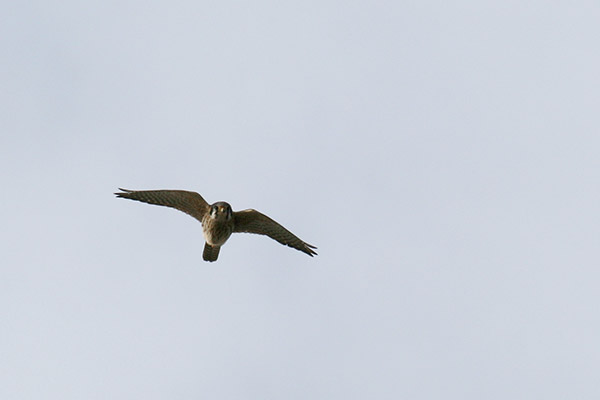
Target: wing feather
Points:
(190, 203)
(252, 221)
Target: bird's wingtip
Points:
(122, 192)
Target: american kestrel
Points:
(218, 220)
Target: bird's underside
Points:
(218, 220)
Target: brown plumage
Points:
(218, 220)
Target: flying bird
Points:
(218, 220)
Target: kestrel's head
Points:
(221, 211)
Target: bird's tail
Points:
(211, 253)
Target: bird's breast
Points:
(216, 232)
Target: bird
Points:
(218, 220)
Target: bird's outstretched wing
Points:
(252, 221)
(189, 202)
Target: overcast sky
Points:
(443, 156)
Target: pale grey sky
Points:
(443, 156)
